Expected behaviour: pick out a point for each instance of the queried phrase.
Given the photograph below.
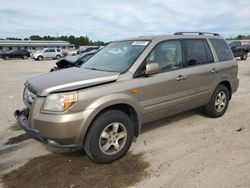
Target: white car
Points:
(54, 53)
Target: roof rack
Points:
(199, 33)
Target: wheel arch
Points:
(227, 84)
(124, 105)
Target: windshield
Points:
(117, 56)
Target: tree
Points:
(35, 37)
(77, 41)
(13, 38)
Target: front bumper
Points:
(22, 118)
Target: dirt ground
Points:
(186, 150)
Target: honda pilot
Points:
(102, 105)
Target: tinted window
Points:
(52, 50)
(235, 44)
(58, 50)
(168, 55)
(222, 50)
(196, 52)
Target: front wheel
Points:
(6, 57)
(58, 57)
(40, 58)
(109, 137)
(218, 103)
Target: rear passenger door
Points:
(199, 71)
(52, 53)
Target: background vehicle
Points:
(73, 61)
(79, 51)
(72, 52)
(52, 53)
(102, 105)
(239, 49)
(24, 54)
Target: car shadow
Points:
(172, 119)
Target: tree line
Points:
(77, 41)
(239, 37)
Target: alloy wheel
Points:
(220, 101)
(113, 138)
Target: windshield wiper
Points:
(92, 68)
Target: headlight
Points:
(60, 102)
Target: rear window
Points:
(235, 44)
(224, 53)
(196, 52)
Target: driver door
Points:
(164, 93)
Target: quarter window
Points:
(196, 52)
(224, 53)
(168, 55)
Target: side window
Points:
(58, 50)
(46, 51)
(196, 52)
(168, 55)
(224, 53)
(52, 50)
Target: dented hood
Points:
(68, 79)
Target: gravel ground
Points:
(186, 150)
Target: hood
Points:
(68, 79)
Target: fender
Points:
(104, 102)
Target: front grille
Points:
(28, 97)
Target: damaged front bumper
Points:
(22, 118)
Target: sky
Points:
(108, 20)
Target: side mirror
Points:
(152, 68)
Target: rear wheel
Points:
(218, 103)
(244, 57)
(25, 57)
(58, 57)
(109, 137)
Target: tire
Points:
(25, 57)
(244, 57)
(218, 103)
(40, 58)
(100, 148)
(58, 57)
(6, 57)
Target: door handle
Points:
(181, 77)
(214, 70)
